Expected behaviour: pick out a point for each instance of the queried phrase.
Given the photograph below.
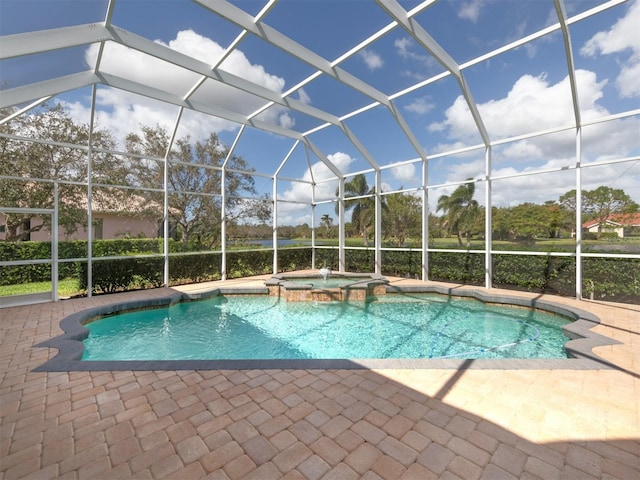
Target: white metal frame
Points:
(101, 33)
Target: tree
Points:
(402, 217)
(195, 184)
(460, 211)
(603, 202)
(526, 221)
(557, 219)
(600, 204)
(327, 222)
(303, 231)
(55, 163)
(363, 209)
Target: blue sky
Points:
(520, 91)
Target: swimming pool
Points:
(417, 326)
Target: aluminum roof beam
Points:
(261, 30)
(29, 43)
(399, 14)
(274, 37)
(264, 31)
(48, 40)
(47, 88)
(561, 11)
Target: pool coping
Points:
(579, 347)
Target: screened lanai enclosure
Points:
(148, 143)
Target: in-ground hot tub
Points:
(341, 286)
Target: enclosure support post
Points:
(578, 213)
(378, 220)
(165, 200)
(425, 222)
(223, 225)
(313, 225)
(341, 229)
(54, 243)
(223, 206)
(90, 197)
(275, 224)
(488, 263)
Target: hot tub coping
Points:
(287, 279)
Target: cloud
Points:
(295, 213)
(123, 112)
(628, 82)
(532, 104)
(522, 150)
(303, 96)
(518, 189)
(405, 49)
(535, 104)
(541, 188)
(319, 172)
(403, 46)
(404, 173)
(371, 59)
(286, 121)
(621, 37)
(470, 10)
(204, 49)
(420, 106)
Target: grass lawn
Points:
(66, 288)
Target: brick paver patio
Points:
(316, 424)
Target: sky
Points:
(518, 92)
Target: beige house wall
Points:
(608, 228)
(113, 226)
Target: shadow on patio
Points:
(262, 424)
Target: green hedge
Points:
(327, 257)
(194, 268)
(246, 263)
(291, 259)
(111, 276)
(66, 250)
(611, 279)
(603, 278)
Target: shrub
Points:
(611, 279)
(109, 276)
(247, 263)
(535, 273)
(457, 267)
(194, 268)
(290, 259)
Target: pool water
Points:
(391, 326)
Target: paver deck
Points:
(315, 424)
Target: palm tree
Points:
(364, 209)
(326, 221)
(460, 211)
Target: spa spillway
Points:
(322, 288)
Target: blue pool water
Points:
(264, 327)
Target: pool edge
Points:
(579, 347)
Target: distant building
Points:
(111, 219)
(623, 225)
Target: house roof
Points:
(619, 220)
